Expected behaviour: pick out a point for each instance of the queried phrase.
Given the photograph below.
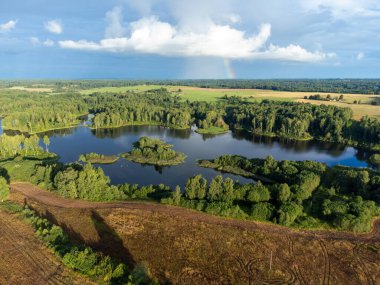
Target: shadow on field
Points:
(107, 240)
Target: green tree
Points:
(262, 211)
(288, 213)
(195, 186)
(177, 195)
(283, 192)
(258, 193)
(215, 189)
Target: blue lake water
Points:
(70, 143)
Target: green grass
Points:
(212, 131)
(192, 94)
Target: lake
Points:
(70, 143)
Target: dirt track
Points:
(24, 260)
(35, 193)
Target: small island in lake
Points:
(154, 151)
(96, 158)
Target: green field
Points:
(211, 95)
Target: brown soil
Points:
(181, 246)
(25, 260)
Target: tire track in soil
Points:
(327, 265)
(249, 269)
(296, 270)
(34, 256)
(38, 261)
(362, 265)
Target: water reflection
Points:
(70, 143)
(135, 130)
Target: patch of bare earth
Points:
(181, 246)
(25, 260)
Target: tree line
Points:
(299, 121)
(356, 86)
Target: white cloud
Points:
(36, 42)
(150, 35)
(54, 27)
(114, 20)
(6, 27)
(294, 53)
(360, 56)
(48, 43)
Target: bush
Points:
(262, 211)
(225, 209)
(258, 193)
(288, 213)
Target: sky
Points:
(189, 39)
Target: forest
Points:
(299, 121)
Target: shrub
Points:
(262, 211)
(288, 213)
(258, 193)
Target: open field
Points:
(181, 246)
(30, 89)
(210, 95)
(25, 260)
(137, 88)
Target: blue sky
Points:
(165, 39)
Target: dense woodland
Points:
(36, 112)
(155, 107)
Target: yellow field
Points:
(212, 95)
(360, 110)
(29, 89)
